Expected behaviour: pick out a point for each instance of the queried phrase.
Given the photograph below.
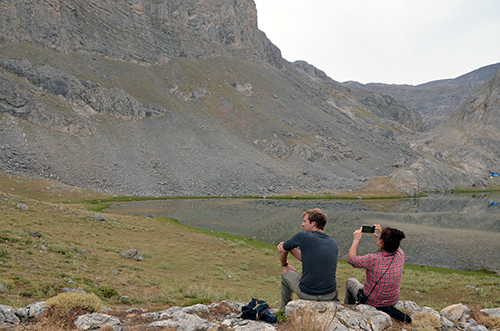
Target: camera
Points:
(368, 229)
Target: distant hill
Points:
(435, 100)
(169, 98)
(471, 137)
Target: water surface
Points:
(449, 231)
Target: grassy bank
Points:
(46, 245)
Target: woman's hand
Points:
(358, 234)
(378, 230)
(354, 246)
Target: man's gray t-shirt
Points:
(319, 261)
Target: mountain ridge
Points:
(434, 100)
(229, 116)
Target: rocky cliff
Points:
(190, 98)
(140, 31)
(435, 100)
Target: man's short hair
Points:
(316, 215)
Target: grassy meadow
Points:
(50, 239)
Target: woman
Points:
(384, 270)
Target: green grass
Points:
(182, 264)
(362, 113)
(101, 204)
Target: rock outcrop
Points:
(85, 97)
(227, 315)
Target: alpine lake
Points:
(454, 231)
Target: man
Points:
(318, 254)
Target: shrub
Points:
(163, 299)
(193, 302)
(105, 292)
(39, 290)
(280, 314)
(4, 252)
(60, 249)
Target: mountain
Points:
(191, 98)
(471, 137)
(435, 100)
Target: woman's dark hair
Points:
(391, 238)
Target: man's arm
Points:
(283, 254)
(296, 253)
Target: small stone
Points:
(99, 217)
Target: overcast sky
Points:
(387, 41)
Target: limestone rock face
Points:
(142, 30)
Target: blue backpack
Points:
(258, 310)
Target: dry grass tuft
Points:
(107, 328)
(64, 309)
(65, 305)
(426, 322)
(58, 319)
(310, 321)
(490, 322)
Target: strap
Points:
(381, 277)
